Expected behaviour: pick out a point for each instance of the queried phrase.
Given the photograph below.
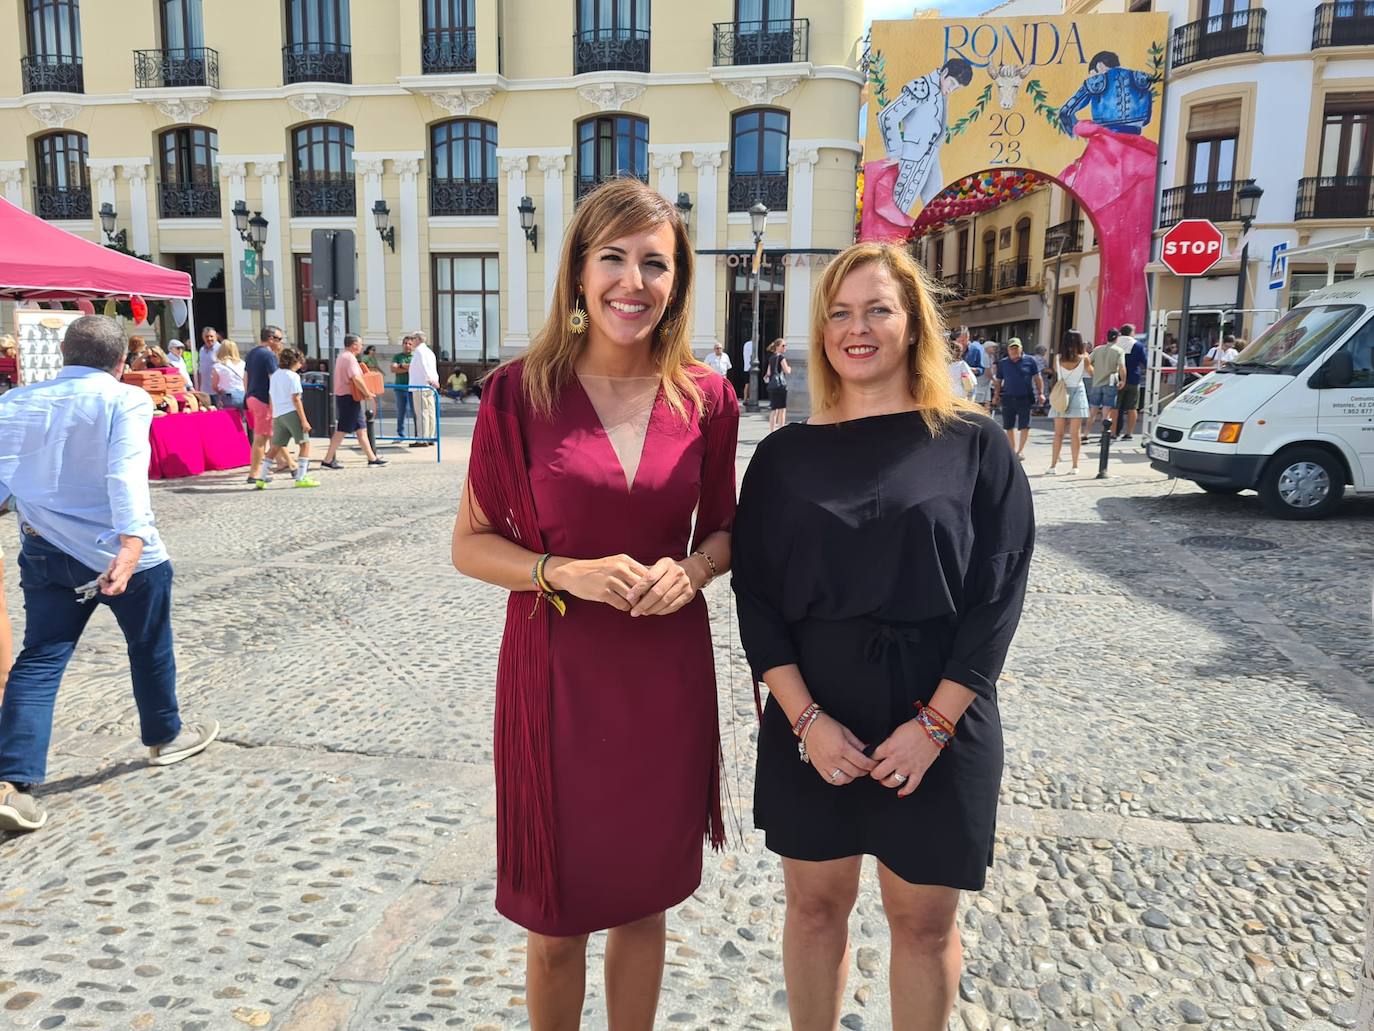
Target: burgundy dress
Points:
(633, 742)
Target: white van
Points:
(1293, 416)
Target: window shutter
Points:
(1221, 118)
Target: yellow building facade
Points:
(446, 113)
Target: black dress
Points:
(880, 560)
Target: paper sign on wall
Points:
(39, 334)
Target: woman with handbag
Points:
(878, 594)
(1069, 398)
(776, 378)
(590, 455)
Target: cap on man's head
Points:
(1014, 342)
(177, 345)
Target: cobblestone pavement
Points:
(1184, 840)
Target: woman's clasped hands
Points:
(625, 583)
(899, 763)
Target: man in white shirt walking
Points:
(718, 360)
(424, 372)
(205, 361)
(74, 452)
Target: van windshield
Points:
(1292, 343)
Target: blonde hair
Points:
(927, 360)
(615, 209)
(227, 350)
(156, 357)
(8, 343)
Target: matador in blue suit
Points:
(1122, 99)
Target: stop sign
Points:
(1191, 247)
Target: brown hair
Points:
(289, 356)
(618, 208)
(136, 343)
(927, 360)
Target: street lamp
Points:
(381, 215)
(758, 222)
(253, 231)
(108, 216)
(1247, 206)
(526, 210)
(684, 209)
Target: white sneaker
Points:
(1051, 471)
(192, 740)
(1073, 471)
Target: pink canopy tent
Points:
(41, 262)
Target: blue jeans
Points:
(53, 622)
(402, 406)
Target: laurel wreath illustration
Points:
(1156, 67)
(975, 113)
(1040, 100)
(877, 75)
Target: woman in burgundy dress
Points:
(591, 456)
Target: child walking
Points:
(288, 418)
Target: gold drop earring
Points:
(577, 318)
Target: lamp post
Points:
(1247, 206)
(526, 210)
(108, 216)
(381, 217)
(684, 209)
(758, 221)
(253, 231)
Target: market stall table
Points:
(191, 443)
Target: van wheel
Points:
(1215, 488)
(1305, 483)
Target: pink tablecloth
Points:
(190, 443)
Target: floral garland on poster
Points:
(974, 195)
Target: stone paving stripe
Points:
(468, 858)
(405, 921)
(331, 1010)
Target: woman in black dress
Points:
(881, 552)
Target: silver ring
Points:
(835, 774)
(900, 778)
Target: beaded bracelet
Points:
(546, 592)
(710, 563)
(808, 714)
(934, 725)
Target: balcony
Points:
(956, 285)
(1015, 275)
(611, 50)
(1215, 201)
(316, 62)
(1072, 234)
(324, 195)
(983, 280)
(1239, 32)
(56, 203)
(585, 184)
(56, 73)
(172, 69)
(760, 42)
(1336, 196)
(462, 196)
(1347, 23)
(769, 187)
(188, 200)
(448, 51)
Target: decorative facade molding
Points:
(460, 102)
(369, 168)
(317, 105)
(661, 159)
(53, 116)
(266, 170)
(11, 175)
(512, 163)
(102, 172)
(762, 89)
(704, 158)
(135, 172)
(178, 109)
(552, 164)
(799, 153)
(233, 169)
(406, 166)
(610, 96)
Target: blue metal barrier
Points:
(438, 423)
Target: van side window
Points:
(1360, 347)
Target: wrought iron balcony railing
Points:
(316, 62)
(324, 195)
(611, 50)
(1015, 274)
(585, 184)
(462, 196)
(762, 42)
(55, 73)
(769, 187)
(1072, 234)
(168, 69)
(188, 200)
(1345, 23)
(448, 51)
(55, 203)
(1215, 201)
(1236, 33)
(956, 285)
(1336, 196)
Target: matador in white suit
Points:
(913, 128)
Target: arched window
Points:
(322, 170)
(61, 189)
(449, 44)
(462, 162)
(610, 146)
(986, 274)
(183, 59)
(188, 182)
(53, 62)
(612, 35)
(758, 159)
(317, 42)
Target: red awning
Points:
(39, 261)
